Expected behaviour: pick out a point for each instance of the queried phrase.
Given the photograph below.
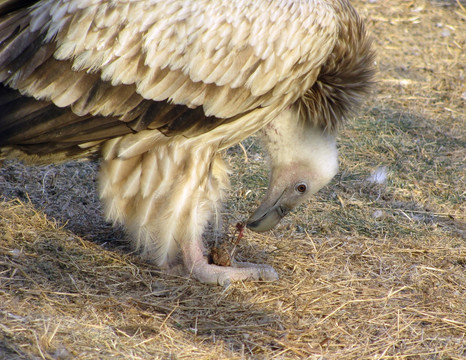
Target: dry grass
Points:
(368, 271)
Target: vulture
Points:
(157, 89)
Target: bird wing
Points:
(94, 69)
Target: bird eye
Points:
(301, 188)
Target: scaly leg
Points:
(196, 264)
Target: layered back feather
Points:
(76, 73)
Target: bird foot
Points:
(198, 267)
(224, 275)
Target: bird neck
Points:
(290, 138)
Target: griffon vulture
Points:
(158, 88)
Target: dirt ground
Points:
(372, 268)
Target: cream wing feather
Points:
(226, 56)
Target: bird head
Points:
(303, 159)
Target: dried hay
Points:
(374, 268)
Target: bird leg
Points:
(196, 263)
(165, 197)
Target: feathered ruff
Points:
(345, 77)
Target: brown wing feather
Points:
(26, 121)
(9, 6)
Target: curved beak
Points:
(267, 215)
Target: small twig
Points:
(244, 152)
(38, 347)
(169, 315)
(460, 5)
(240, 228)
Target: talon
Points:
(223, 281)
(269, 275)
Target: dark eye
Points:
(301, 188)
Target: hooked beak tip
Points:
(267, 220)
